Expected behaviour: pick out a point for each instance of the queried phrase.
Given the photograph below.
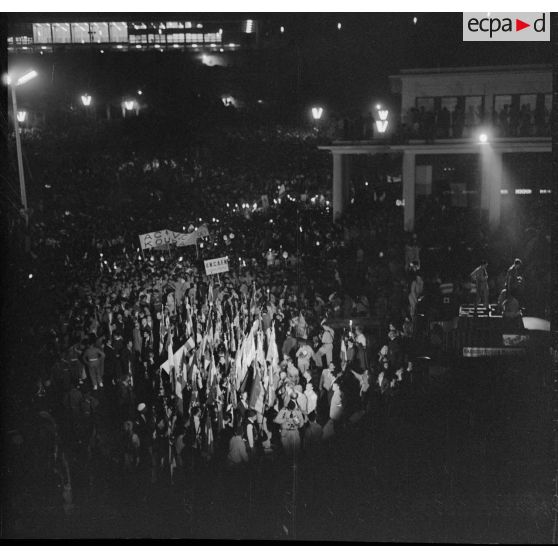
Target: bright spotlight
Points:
(21, 116)
(27, 77)
(483, 138)
(86, 100)
(129, 105)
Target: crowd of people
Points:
(145, 360)
(457, 121)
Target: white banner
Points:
(189, 239)
(160, 239)
(157, 239)
(217, 265)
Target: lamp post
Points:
(17, 115)
(317, 113)
(382, 123)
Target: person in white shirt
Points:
(237, 449)
(311, 398)
(303, 355)
(326, 348)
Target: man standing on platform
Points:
(480, 278)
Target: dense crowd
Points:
(144, 360)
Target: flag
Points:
(343, 353)
(256, 400)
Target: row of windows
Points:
(116, 32)
(192, 38)
(100, 32)
(477, 102)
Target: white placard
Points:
(217, 265)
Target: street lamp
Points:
(382, 123)
(86, 100)
(483, 138)
(17, 115)
(21, 116)
(317, 113)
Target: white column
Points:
(408, 178)
(341, 170)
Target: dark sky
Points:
(343, 68)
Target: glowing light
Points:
(140, 92)
(415, 20)
(21, 116)
(102, 51)
(27, 77)
(86, 100)
(381, 126)
(119, 46)
(30, 276)
(231, 236)
(249, 25)
(339, 26)
(483, 138)
(180, 259)
(504, 192)
(175, 46)
(138, 46)
(162, 259)
(282, 29)
(383, 114)
(317, 112)
(48, 186)
(317, 242)
(523, 191)
(194, 45)
(129, 105)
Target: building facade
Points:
(478, 138)
(192, 34)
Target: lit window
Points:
(23, 40)
(188, 25)
(523, 191)
(99, 32)
(175, 38)
(118, 32)
(80, 33)
(61, 32)
(194, 37)
(249, 25)
(41, 33)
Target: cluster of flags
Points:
(225, 342)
